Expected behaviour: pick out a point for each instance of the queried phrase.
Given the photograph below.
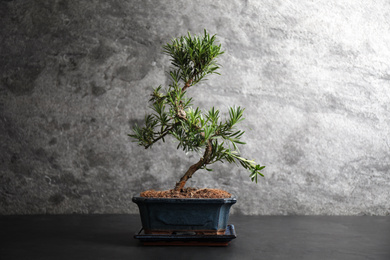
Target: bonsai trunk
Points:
(203, 161)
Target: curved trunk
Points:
(204, 160)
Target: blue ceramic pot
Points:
(169, 216)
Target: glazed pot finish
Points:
(171, 215)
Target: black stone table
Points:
(258, 237)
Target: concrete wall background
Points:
(314, 78)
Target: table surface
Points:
(258, 237)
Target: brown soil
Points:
(187, 193)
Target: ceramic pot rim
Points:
(232, 200)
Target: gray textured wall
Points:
(314, 77)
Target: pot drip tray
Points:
(187, 239)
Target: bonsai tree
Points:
(193, 58)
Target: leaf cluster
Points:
(193, 57)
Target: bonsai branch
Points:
(187, 84)
(163, 134)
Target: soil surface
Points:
(187, 193)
